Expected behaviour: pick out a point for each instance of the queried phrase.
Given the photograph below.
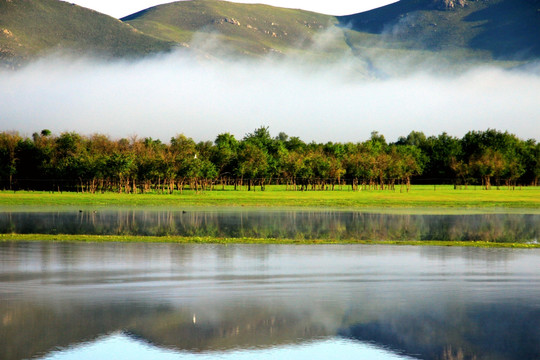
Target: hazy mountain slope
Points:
(248, 29)
(35, 27)
(405, 31)
(504, 29)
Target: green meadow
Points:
(420, 196)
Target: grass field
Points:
(227, 241)
(420, 196)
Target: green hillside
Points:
(403, 33)
(30, 28)
(246, 29)
(501, 29)
(393, 39)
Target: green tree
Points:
(252, 163)
(409, 163)
(225, 153)
(120, 167)
(488, 164)
(8, 158)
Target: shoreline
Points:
(68, 238)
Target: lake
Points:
(280, 223)
(172, 301)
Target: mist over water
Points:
(341, 100)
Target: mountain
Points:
(246, 29)
(31, 28)
(500, 29)
(411, 31)
(408, 31)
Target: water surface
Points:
(170, 301)
(279, 223)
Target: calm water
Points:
(279, 224)
(169, 301)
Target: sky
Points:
(121, 8)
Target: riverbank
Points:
(424, 196)
(226, 241)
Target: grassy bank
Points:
(225, 241)
(278, 196)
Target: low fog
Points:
(165, 95)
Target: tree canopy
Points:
(75, 162)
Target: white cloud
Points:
(163, 96)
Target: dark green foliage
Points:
(437, 155)
(73, 162)
(8, 156)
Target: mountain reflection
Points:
(163, 326)
(280, 224)
(495, 332)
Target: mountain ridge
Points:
(485, 30)
(33, 28)
(250, 29)
(506, 29)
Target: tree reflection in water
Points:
(295, 224)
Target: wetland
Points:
(154, 299)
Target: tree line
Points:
(96, 163)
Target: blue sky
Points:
(120, 8)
